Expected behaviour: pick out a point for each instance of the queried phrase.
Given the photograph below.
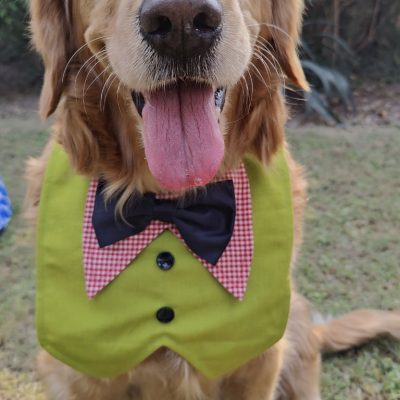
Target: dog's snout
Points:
(181, 28)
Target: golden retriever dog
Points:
(104, 60)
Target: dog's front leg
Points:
(63, 383)
(257, 380)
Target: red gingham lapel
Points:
(103, 265)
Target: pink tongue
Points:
(183, 143)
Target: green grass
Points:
(19, 139)
(351, 253)
(350, 257)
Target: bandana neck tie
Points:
(205, 222)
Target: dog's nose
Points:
(181, 28)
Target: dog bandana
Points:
(152, 285)
(215, 225)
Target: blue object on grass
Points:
(5, 207)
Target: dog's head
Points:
(167, 66)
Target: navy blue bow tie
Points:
(205, 221)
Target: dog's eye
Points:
(139, 101)
(220, 98)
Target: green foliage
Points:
(358, 36)
(346, 37)
(10, 10)
(330, 87)
(13, 37)
(20, 67)
(343, 38)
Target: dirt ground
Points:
(376, 104)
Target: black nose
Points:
(181, 28)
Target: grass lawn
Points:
(351, 254)
(350, 258)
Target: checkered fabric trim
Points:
(103, 265)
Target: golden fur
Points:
(88, 79)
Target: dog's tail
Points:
(356, 328)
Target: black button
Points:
(165, 315)
(165, 261)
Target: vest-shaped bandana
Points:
(103, 307)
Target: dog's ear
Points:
(283, 35)
(51, 36)
(256, 111)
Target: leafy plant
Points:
(21, 69)
(329, 88)
(343, 38)
(13, 37)
(370, 29)
(330, 85)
